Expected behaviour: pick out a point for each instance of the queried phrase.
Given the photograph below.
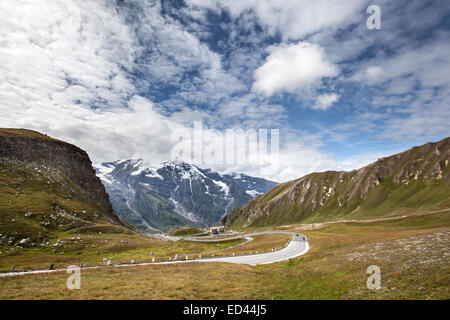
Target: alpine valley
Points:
(175, 194)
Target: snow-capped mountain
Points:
(175, 194)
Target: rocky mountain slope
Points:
(175, 194)
(48, 187)
(416, 179)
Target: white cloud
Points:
(173, 54)
(300, 155)
(325, 101)
(294, 19)
(61, 59)
(293, 67)
(54, 54)
(373, 73)
(429, 64)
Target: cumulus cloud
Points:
(293, 67)
(325, 101)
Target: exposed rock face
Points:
(417, 178)
(175, 194)
(32, 150)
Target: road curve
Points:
(296, 247)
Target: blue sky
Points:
(118, 77)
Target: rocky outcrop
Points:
(63, 161)
(416, 178)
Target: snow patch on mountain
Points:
(223, 186)
(152, 173)
(253, 193)
(103, 172)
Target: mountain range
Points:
(48, 187)
(414, 180)
(175, 194)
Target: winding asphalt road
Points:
(296, 247)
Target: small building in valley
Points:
(217, 229)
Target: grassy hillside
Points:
(411, 253)
(416, 179)
(186, 231)
(36, 204)
(48, 188)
